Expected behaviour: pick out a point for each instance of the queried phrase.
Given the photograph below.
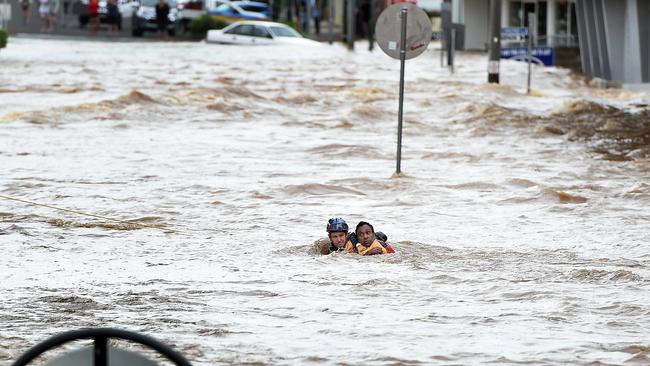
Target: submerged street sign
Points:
(418, 30)
(541, 55)
(403, 32)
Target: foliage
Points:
(3, 38)
(200, 26)
(292, 24)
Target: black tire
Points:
(137, 32)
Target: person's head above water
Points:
(337, 230)
(365, 233)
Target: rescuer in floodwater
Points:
(341, 241)
(337, 231)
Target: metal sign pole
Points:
(452, 50)
(371, 26)
(442, 50)
(351, 24)
(531, 21)
(402, 61)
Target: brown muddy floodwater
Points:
(521, 226)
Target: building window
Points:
(567, 24)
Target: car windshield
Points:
(256, 8)
(284, 31)
(223, 7)
(171, 3)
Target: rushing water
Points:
(521, 223)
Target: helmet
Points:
(337, 224)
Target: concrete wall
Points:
(614, 39)
(644, 38)
(476, 24)
(614, 31)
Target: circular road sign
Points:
(388, 30)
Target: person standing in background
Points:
(66, 9)
(93, 14)
(162, 18)
(53, 12)
(315, 13)
(113, 13)
(44, 14)
(26, 6)
(303, 17)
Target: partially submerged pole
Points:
(452, 50)
(495, 41)
(531, 27)
(350, 23)
(330, 20)
(371, 26)
(402, 61)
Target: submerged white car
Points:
(257, 32)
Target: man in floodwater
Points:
(365, 241)
(337, 231)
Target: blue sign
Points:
(513, 32)
(541, 55)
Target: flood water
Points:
(521, 223)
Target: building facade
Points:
(555, 20)
(615, 39)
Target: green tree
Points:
(200, 26)
(3, 38)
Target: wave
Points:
(72, 303)
(489, 113)
(55, 115)
(602, 276)
(225, 107)
(638, 191)
(378, 184)
(317, 189)
(103, 225)
(546, 193)
(368, 94)
(368, 111)
(480, 186)
(618, 134)
(563, 197)
(522, 182)
(296, 98)
(467, 157)
(345, 150)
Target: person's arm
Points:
(325, 248)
